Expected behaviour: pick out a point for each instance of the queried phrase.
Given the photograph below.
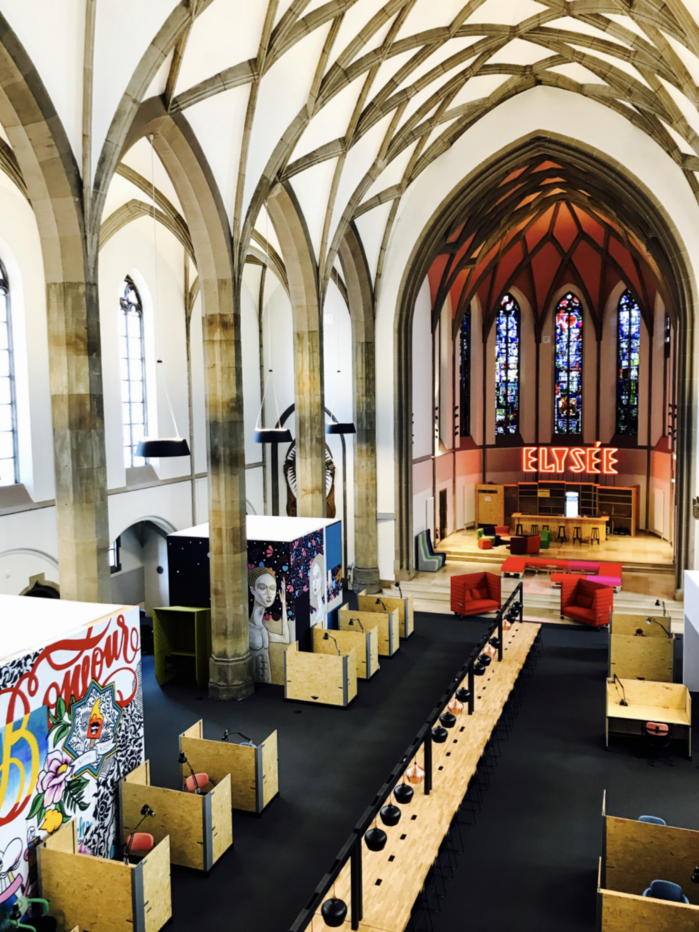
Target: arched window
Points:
(132, 359)
(569, 350)
(507, 367)
(629, 360)
(8, 407)
(465, 376)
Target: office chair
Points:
(666, 890)
(197, 781)
(139, 844)
(653, 819)
(657, 738)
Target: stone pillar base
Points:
(366, 577)
(230, 678)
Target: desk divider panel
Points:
(387, 627)
(622, 912)
(157, 894)
(320, 678)
(639, 852)
(365, 645)
(629, 624)
(253, 772)
(644, 658)
(404, 607)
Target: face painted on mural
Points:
(264, 591)
(316, 579)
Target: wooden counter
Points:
(554, 522)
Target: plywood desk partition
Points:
(386, 603)
(200, 827)
(668, 703)
(254, 771)
(365, 645)
(320, 678)
(635, 854)
(100, 895)
(387, 627)
(641, 648)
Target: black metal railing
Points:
(513, 611)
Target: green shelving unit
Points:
(179, 633)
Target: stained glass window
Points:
(8, 411)
(629, 360)
(507, 367)
(569, 350)
(133, 372)
(465, 376)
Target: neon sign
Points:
(597, 459)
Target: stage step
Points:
(497, 557)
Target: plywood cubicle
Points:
(387, 627)
(254, 771)
(364, 644)
(101, 895)
(641, 647)
(200, 827)
(635, 854)
(323, 679)
(387, 604)
(668, 703)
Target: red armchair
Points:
(589, 602)
(475, 593)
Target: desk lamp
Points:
(352, 621)
(399, 589)
(695, 875)
(329, 637)
(651, 620)
(146, 812)
(382, 604)
(245, 743)
(658, 602)
(623, 691)
(43, 923)
(194, 779)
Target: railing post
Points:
(357, 900)
(471, 689)
(428, 762)
(500, 648)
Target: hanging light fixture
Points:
(415, 774)
(463, 694)
(334, 911)
(376, 839)
(455, 707)
(403, 794)
(159, 447)
(269, 434)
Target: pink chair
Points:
(199, 780)
(139, 844)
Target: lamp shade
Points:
(463, 694)
(495, 642)
(478, 668)
(415, 774)
(340, 428)
(152, 447)
(334, 912)
(390, 814)
(485, 659)
(447, 719)
(376, 839)
(403, 794)
(455, 707)
(439, 735)
(272, 435)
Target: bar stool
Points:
(562, 539)
(594, 536)
(577, 535)
(518, 531)
(534, 530)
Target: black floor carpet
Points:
(331, 763)
(530, 862)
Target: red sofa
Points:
(585, 601)
(475, 593)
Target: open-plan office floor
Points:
(537, 836)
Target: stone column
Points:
(75, 372)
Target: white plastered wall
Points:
(545, 110)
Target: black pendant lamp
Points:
(152, 447)
(376, 839)
(390, 814)
(334, 912)
(403, 794)
(463, 694)
(485, 659)
(271, 435)
(447, 719)
(337, 427)
(478, 668)
(439, 734)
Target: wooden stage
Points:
(393, 878)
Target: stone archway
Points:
(644, 215)
(185, 163)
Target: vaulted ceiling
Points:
(546, 225)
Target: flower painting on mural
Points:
(73, 727)
(569, 348)
(507, 367)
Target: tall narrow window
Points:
(507, 367)
(465, 376)
(569, 349)
(629, 360)
(8, 408)
(133, 372)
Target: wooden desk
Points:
(393, 878)
(554, 522)
(669, 703)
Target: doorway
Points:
(442, 514)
